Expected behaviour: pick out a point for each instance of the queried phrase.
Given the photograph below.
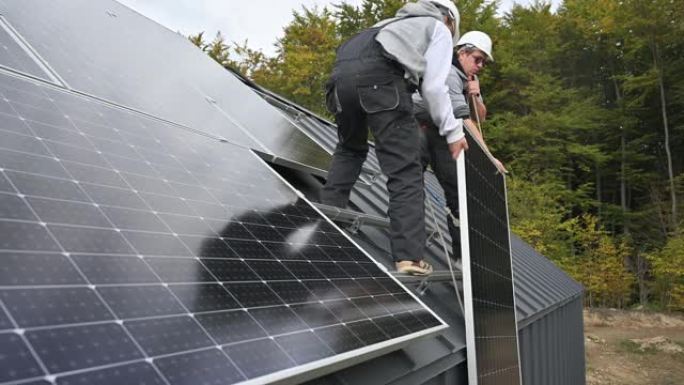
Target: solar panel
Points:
(134, 251)
(96, 47)
(491, 329)
(15, 57)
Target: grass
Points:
(628, 346)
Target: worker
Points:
(374, 75)
(472, 52)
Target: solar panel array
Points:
(102, 48)
(491, 329)
(134, 251)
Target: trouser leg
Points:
(351, 150)
(445, 170)
(398, 150)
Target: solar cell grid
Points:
(491, 328)
(102, 245)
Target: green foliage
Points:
(667, 267)
(599, 263)
(537, 213)
(305, 57)
(247, 61)
(352, 19)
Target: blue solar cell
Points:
(367, 331)
(179, 269)
(391, 326)
(277, 319)
(5, 322)
(107, 269)
(204, 297)
(16, 355)
(140, 301)
(90, 240)
(339, 338)
(43, 307)
(203, 367)
(315, 314)
(14, 207)
(29, 269)
(70, 213)
(156, 244)
(168, 335)
(35, 164)
(231, 326)
(25, 236)
(303, 270)
(259, 357)
(29, 184)
(304, 347)
(292, 292)
(345, 310)
(230, 270)
(270, 270)
(71, 348)
(139, 373)
(370, 307)
(5, 185)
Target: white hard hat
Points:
(453, 12)
(479, 40)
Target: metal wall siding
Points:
(552, 348)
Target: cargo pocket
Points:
(332, 101)
(379, 97)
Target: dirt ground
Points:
(634, 348)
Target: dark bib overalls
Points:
(368, 90)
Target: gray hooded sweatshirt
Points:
(406, 42)
(423, 45)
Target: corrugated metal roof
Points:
(540, 285)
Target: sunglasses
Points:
(479, 60)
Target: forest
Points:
(585, 108)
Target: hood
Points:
(420, 8)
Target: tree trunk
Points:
(663, 109)
(598, 189)
(641, 274)
(623, 184)
(623, 164)
(658, 202)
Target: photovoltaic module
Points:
(491, 328)
(141, 239)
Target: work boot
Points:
(421, 267)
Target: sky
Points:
(260, 22)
